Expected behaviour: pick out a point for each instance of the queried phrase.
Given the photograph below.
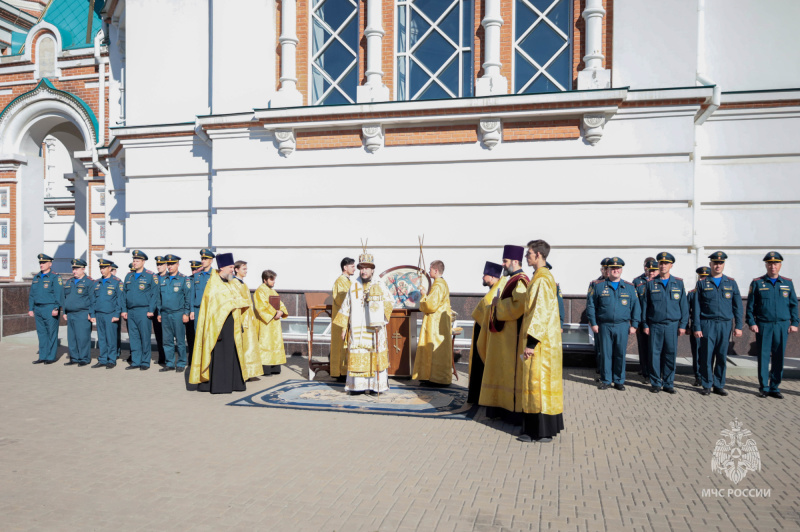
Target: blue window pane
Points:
(319, 86)
(319, 35)
(335, 59)
(466, 74)
(525, 17)
(401, 29)
(523, 71)
(561, 68)
(417, 29)
(450, 24)
(417, 78)
(350, 34)
(542, 43)
(434, 51)
(433, 8)
(541, 5)
(350, 82)
(434, 92)
(335, 98)
(401, 79)
(468, 29)
(542, 84)
(560, 16)
(334, 12)
(449, 77)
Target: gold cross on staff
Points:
(396, 337)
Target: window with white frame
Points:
(334, 51)
(46, 57)
(434, 49)
(98, 231)
(5, 200)
(542, 46)
(98, 199)
(5, 264)
(5, 237)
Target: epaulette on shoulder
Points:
(626, 282)
(677, 278)
(787, 278)
(756, 278)
(595, 281)
(147, 271)
(731, 278)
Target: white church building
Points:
(286, 132)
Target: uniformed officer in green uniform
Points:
(108, 307)
(141, 295)
(702, 272)
(196, 266)
(612, 307)
(161, 269)
(666, 312)
(79, 313)
(772, 315)
(642, 340)
(44, 302)
(718, 304)
(174, 305)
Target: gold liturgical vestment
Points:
(366, 310)
(219, 300)
(502, 357)
(539, 385)
(270, 332)
(434, 359)
(338, 353)
(481, 315)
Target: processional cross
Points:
(396, 337)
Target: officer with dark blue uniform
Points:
(196, 266)
(161, 269)
(199, 281)
(141, 298)
(175, 297)
(612, 307)
(702, 272)
(108, 306)
(666, 312)
(79, 313)
(44, 302)
(717, 304)
(642, 340)
(772, 315)
(603, 274)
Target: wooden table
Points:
(317, 304)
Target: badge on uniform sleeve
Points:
(58, 279)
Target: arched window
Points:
(542, 46)
(46, 57)
(334, 51)
(434, 49)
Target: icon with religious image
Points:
(405, 284)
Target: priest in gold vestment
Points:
(541, 398)
(338, 364)
(480, 331)
(499, 389)
(434, 358)
(365, 313)
(224, 354)
(270, 329)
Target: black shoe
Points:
(776, 395)
(48, 362)
(162, 370)
(696, 382)
(544, 440)
(71, 363)
(705, 391)
(276, 370)
(620, 387)
(597, 379)
(132, 367)
(144, 368)
(524, 438)
(762, 394)
(180, 369)
(81, 364)
(603, 386)
(721, 391)
(99, 365)
(110, 366)
(669, 390)
(38, 362)
(645, 379)
(655, 389)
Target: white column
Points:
(492, 81)
(594, 76)
(288, 95)
(373, 90)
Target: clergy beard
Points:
(228, 277)
(506, 272)
(368, 279)
(487, 284)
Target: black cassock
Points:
(476, 369)
(225, 372)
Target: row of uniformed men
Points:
(168, 298)
(657, 304)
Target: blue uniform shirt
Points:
(79, 296)
(109, 296)
(664, 304)
(717, 299)
(46, 289)
(604, 304)
(175, 294)
(141, 291)
(199, 281)
(772, 301)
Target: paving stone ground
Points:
(96, 449)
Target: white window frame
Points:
(97, 191)
(516, 48)
(5, 272)
(96, 226)
(7, 208)
(313, 56)
(5, 222)
(459, 51)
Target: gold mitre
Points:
(365, 259)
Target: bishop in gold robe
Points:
(499, 389)
(270, 331)
(480, 331)
(224, 354)
(540, 383)
(338, 363)
(434, 358)
(363, 318)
